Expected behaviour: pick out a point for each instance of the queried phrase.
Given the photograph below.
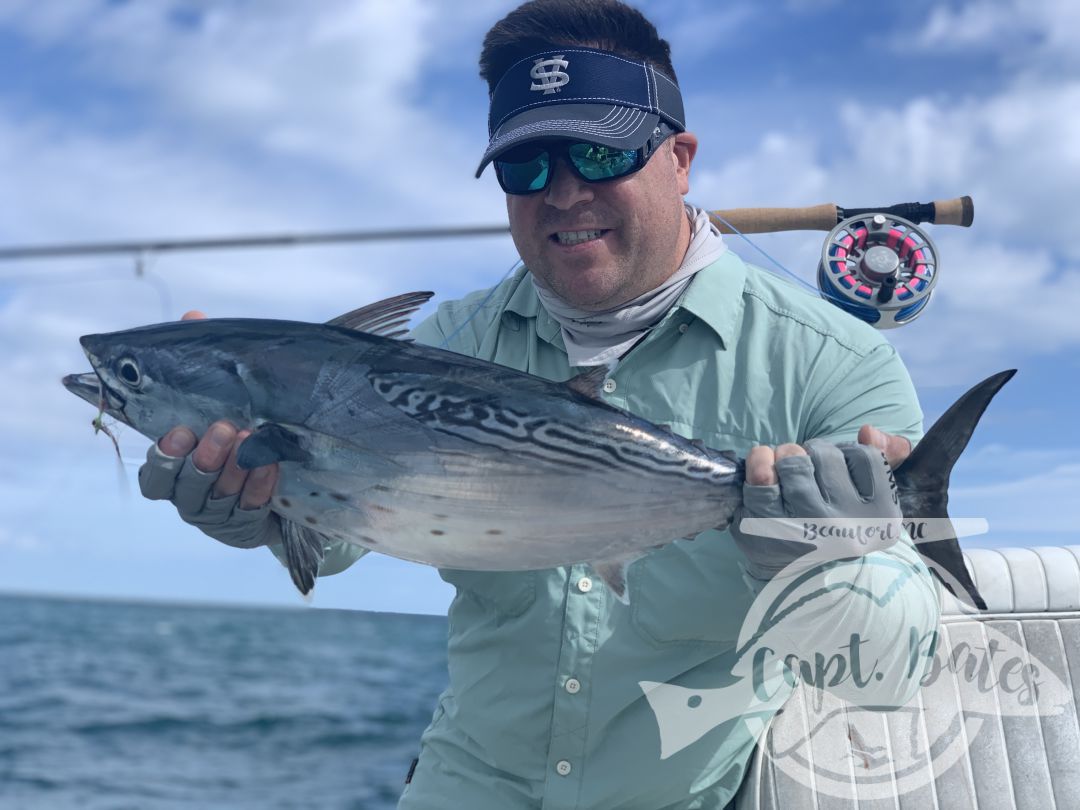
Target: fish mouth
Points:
(92, 388)
(85, 386)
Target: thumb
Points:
(895, 448)
(193, 315)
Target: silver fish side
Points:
(435, 457)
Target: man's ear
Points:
(684, 147)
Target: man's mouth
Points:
(577, 237)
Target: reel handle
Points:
(824, 217)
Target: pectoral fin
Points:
(269, 444)
(275, 442)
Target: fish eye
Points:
(128, 371)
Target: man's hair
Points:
(540, 25)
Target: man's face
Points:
(644, 231)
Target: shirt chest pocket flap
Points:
(505, 594)
(691, 591)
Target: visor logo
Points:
(548, 74)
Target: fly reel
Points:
(880, 268)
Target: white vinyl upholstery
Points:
(955, 746)
(1024, 580)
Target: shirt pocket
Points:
(690, 592)
(505, 594)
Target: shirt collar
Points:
(715, 296)
(525, 303)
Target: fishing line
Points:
(446, 340)
(143, 270)
(142, 273)
(777, 262)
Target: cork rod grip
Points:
(767, 220)
(960, 211)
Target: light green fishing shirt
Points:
(544, 707)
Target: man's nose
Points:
(566, 189)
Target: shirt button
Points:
(683, 327)
(609, 386)
(584, 584)
(573, 686)
(563, 768)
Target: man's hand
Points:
(819, 481)
(761, 463)
(895, 448)
(208, 489)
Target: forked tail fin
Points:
(923, 481)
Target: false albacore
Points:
(447, 460)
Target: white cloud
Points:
(694, 28)
(256, 119)
(1016, 152)
(1010, 285)
(1017, 29)
(1034, 502)
(337, 85)
(783, 170)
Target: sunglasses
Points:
(528, 168)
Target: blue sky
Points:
(124, 120)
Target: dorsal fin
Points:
(384, 318)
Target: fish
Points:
(452, 461)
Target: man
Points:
(545, 706)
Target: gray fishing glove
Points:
(177, 479)
(840, 499)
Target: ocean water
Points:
(128, 705)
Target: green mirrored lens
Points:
(597, 162)
(524, 176)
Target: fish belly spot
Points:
(311, 519)
(494, 532)
(286, 503)
(438, 532)
(337, 496)
(367, 539)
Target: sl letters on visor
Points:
(548, 74)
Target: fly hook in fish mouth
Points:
(90, 387)
(98, 424)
